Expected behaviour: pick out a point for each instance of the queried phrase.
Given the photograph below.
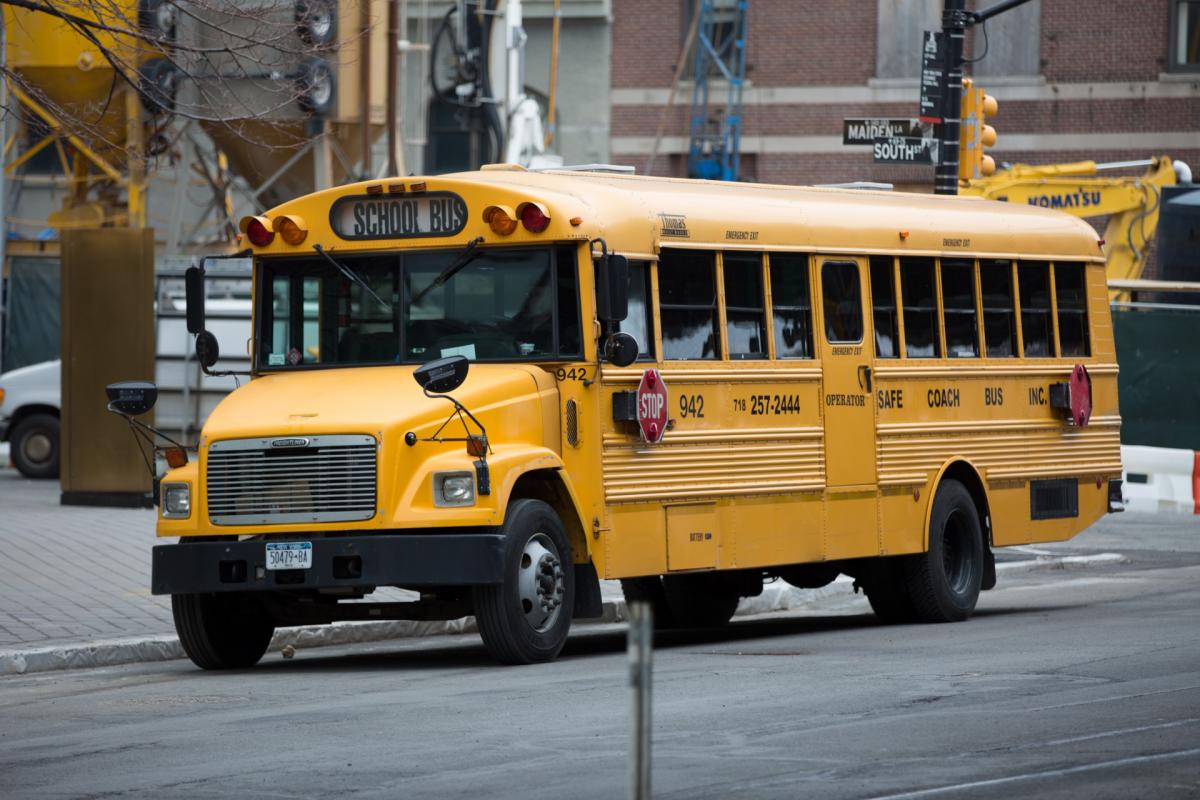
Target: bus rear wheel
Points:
(944, 582)
(887, 593)
(526, 618)
(222, 631)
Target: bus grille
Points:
(291, 479)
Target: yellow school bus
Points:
(498, 388)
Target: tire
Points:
(316, 22)
(525, 619)
(887, 592)
(699, 601)
(34, 444)
(316, 87)
(944, 582)
(650, 590)
(222, 631)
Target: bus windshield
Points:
(506, 304)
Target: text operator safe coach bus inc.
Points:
(497, 388)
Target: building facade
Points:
(1075, 79)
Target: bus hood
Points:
(516, 403)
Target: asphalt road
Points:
(1078, 683)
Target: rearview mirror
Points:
(193, 281)
(443, 375)
(621, 349)
(207, 349)
(612, 288)
(131, 397)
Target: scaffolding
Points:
(720, 51)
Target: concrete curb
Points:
(775, 597)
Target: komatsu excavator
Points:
(1131, 203)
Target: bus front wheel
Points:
(525, 618)
(222, 631)
(944, 582)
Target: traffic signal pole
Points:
(955, 21)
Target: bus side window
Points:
(841, 298)
(999, 320)
(917, 293)
(883, 302)
(639, 322)
(1072, 310)
(1033, 280)
(791, 305)
(687, 298)
(745, 308)
(958, 307)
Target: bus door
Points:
(846, 356)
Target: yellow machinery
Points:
(1130, 203)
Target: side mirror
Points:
(193, 281)
(621, 349)
(443, 375)
(207, 349)
(612, 288)
(132, 398)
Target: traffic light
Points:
(975, 134)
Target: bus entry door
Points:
(846, 358)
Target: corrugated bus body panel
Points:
(714, 463)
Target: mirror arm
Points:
(144, 433)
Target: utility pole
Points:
(955, 21)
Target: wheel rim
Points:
(957, 551)
(541, 583)
(37, 448)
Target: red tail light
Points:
(257, 230)
(534, 218)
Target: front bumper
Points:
(4, 424)
(424, 559)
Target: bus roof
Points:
(641, 214)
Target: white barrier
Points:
(1160, 479)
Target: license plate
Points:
(289, 555)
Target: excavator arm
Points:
(1130, 203)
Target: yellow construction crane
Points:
(1131, 203)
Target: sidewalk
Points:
(75, 588)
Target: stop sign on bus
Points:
(652, 406)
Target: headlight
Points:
(454, 489)
(176, 500)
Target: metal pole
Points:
(393, 56)
(954, 22)
(641, 656)
(364, 88)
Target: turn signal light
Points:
(291, 228)
(500, 219)
(257, 230)
(534, 217)
(176, 457)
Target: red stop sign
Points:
(652, 406)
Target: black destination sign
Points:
(403, 217)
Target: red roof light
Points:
(534, 218)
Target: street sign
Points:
(933, 81)
(652, 406)
(905, 150)
(866, 131)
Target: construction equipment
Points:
(713, 148)
(1132, 204)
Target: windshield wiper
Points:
(352, 275)
(468, 254)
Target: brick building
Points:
(1075, 79)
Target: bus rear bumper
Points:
(443, 559)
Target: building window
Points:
(1185, 36)
(791, 307)
(1012, 43)
(687, 298)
